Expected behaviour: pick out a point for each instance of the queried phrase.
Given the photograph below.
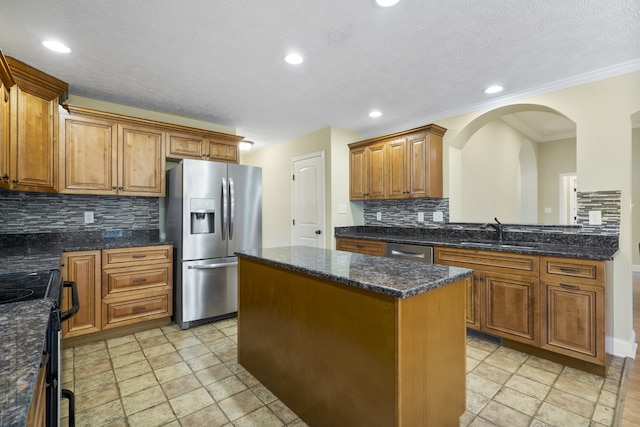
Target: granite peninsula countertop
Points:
(393, 277)
(23, 327)
(569, 245)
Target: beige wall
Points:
(491, 174)
(555, 158)
(275, 162)
(602, 112)
(636, 199)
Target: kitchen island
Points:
(350, 339)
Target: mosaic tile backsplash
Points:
(56, 213)
(404, 213)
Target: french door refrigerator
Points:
(212, 209)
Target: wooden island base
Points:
(338, 355)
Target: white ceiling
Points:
(221, 61)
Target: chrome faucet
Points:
(497, 226)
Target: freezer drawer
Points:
(205, 289)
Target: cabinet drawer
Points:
(367, 247)
(570, 270)
(136, 256)
(502, 262)
(134, 278)
(132, 310)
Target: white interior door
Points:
(308, 228)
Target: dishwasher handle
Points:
(419, 255)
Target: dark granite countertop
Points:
(570, 245)
(42, 251)
(23, 327)
(393, 277)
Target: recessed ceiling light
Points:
(375, 114)
(294, 59)
(386, 3)
(56, 46)
(493, 89)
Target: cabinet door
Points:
(84, 269)
(473, 302)
(222, 152)
(418, 164)
(88, 150)
(357, 189)
(4, 136)
(397, 168)
(511, 307)
(573, 320)
(367, 247)
(141, 160)
(34, 142)
(183, 146)
(375, 169)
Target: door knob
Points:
(318, 232)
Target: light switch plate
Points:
(438, 216)
(342, 208)
(420, 216)
(378, 216)
(595, 217)
(88, 218)
(547, 210)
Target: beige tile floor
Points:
(169, 377)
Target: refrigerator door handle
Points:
(212, 266)
(224, 208)
(232, 209)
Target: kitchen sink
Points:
(514, 245)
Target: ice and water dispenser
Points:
(203, 213)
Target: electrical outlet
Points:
(438, 216)
(420, 216)
(378, 216)
(547, 210)
(595, 217)
(88, 218)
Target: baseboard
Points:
(623, 348)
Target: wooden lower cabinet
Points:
(511, 307)
(84, 269)
(573, 308)
(503, 296)
(118, 287)
(367, 247)
(38, 410)
(137, 285)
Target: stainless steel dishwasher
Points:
(410, 252)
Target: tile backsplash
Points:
(55, 213)
(404, 213)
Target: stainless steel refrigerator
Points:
(212, 209)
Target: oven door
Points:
(55, 393)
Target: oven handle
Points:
(65, 315)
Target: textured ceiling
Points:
(221, 61)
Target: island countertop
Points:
(392, 277)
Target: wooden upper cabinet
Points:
(33, 129)
(411, 165)
(141, 170)
(88, 151)
(368, 169)
(100, 156)
(208, 145)
(5, 84)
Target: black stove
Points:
(26, 286)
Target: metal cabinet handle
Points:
(139, 256)
(114, 188)
(137, 309)
(572, 287)
(569, 270)
(15, 181)
(139, 280)
(75, 301)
